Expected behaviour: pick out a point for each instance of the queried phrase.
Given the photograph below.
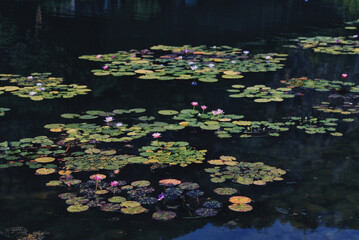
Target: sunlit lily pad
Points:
(240, 207)
(45, 171)
(130, 204)
(133, 210)
(240, 199)
(77, 208)
(169, 182)
(44, 159)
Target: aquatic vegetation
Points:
(314, 125)
(261, 93)
(347, 108)
(27, 150)
(245, 173)
(194, 63)
(171, 153)
(240, 207)
(21, 233)
(329, 45)
(3, 110)
(164, 215)
(93, 160)
(40, 86)
(177, 199)
(320, 85)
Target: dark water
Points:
(319, 197)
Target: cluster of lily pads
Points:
(260, 93)
(347, 108)
(186, 62)
(329, 45)
(40, 86)
(30, 151)
(246, 173)
(171, 153)
(21, 233)
(320, 85)
(168, 199)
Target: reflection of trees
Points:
(349, 9)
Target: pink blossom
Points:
(344, 75)
(105, 67)
(214, 112)
(204, 107)
(194, 103)
(98, 56)
(220, 111)
(156, 135)
(114, 183)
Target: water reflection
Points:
(276, 231)
(320, 188)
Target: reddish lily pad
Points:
(169, 182)
(225, 191)
(163, 215)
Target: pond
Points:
(179, 119)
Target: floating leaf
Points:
(225, 191)
(77, 208)
(240, 199)
(45, 171)
(133, 210)
(240, 207)
(164, 215)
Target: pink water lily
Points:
(220, 111)
(156, 135)
(344, 75)
(98, 56)
(114, 183)
(119, 124)
(105, 67)
(97, 177)
(194, 103)
(204, 107)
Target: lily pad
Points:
(163, 215)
